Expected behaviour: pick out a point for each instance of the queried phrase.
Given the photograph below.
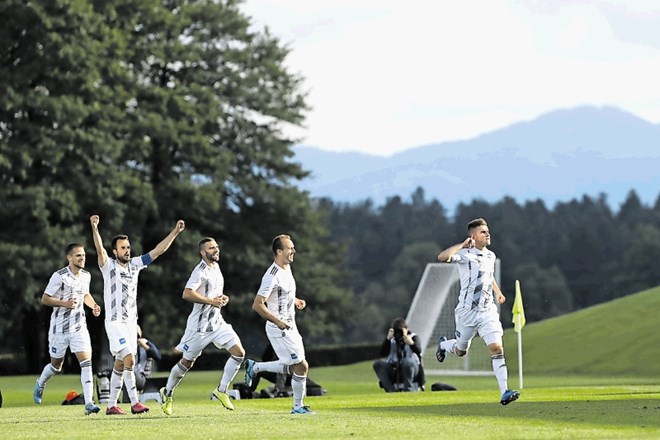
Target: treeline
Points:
(567, 257)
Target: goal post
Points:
(431, 315)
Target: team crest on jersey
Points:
(294, 356)
(54, 350)
(185, 347)
(122, 341)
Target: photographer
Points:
(403, 365)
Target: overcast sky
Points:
(384, 76)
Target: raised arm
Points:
(101, 254)
(445, 256)
(167, 241)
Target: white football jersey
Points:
(120, 288)
(64, 285)
(208, 281)
(279, 288)
(477, 271)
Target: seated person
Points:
(146, 355)
(403, 363)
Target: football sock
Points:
(87, 380)
(232, 366)
(501, 372)
(116, 382)
(131, 389)
(176, 376)
(48, 372)
(448, 345)
(298, 385)
(273, 367)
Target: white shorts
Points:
(288, 345)
(122, 337)
(486, 324)
(192, 343)
(78, 342)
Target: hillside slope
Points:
(617, 337)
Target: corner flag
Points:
(518, 311)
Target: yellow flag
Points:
(518, 310)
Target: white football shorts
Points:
(486, 324)
(78, 342)
(122, 337)
(192, 343)
(288, 345)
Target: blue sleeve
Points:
(146, 259)
(153, 351)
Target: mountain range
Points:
(557, 157)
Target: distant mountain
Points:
(559, 156)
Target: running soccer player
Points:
(205, 289)
(476, 312)
(66, 292)
(120, 279)
(276, 302)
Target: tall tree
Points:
(145, 112)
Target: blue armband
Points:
(146, 259)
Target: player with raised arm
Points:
(120, 280)
(205, 289)
(67, 291)
(276, 302)
(476, 312)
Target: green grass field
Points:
(593, 374)
(354, 407)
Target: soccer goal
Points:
(431, 315)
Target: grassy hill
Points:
(617, 337)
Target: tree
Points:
(145, 112)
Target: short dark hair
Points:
(399, 323)
(203, 241)
(476, 223)
(71, 247)
(277, 242)
(116, 238)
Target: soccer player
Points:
(205, 326)
(276, 302)
(476, 312)
(66, 292)
(120, 279)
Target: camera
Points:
(398, 336)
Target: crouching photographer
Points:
(402, 367)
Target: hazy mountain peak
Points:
(560, 155)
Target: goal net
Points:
(431, 315)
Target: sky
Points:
(383, 76)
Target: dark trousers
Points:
(391, 375)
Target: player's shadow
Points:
(627, 412)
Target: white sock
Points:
(176, 376)
(448, 345)
(87, 380)
(273, 367)
(501, 372)
(232, 366)
(116, 382)
(131, 389)
(298, 384)
(48, 372)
